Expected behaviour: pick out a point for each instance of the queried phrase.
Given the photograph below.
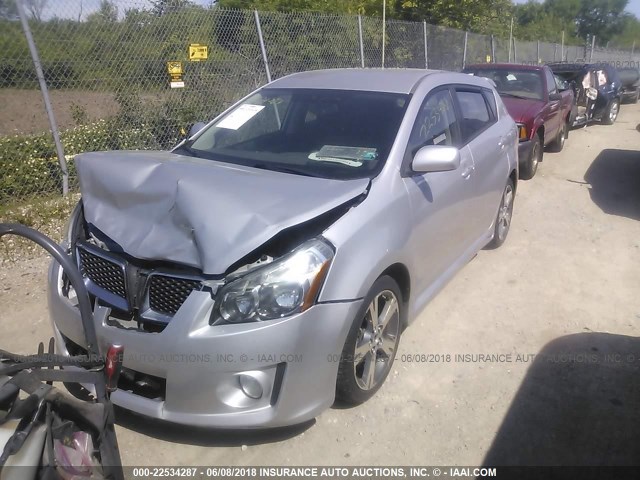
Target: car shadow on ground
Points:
(614, 177)
(205, 437)
(578, 405)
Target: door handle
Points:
(502, 143)
(466, 170)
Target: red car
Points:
(540, 109)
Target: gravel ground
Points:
(561, 297)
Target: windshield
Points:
(321, 133)
(515, 83)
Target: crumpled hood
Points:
(202, 213)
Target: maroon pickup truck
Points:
(532, 98)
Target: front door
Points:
(440, 201)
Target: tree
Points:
(163, 7)
(602, 18)
(483, 16)
(107, 13)
(352, 7)
(629, 34)
(36, 7)
(534, 21)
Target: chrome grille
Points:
(167, 294)
(102, 272)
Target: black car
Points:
(597, 88)
(630, 77)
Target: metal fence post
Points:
(593, 46)
(426, 57)
(464, 50)
(538, 59)
(555, 49)
(45, 97)
(384, 28)
(510, 40)
(262, 47)
(562, 48)
(361, 41)
(515, 51)
(493, 49)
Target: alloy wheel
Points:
(506, 209)
(377, 340)
(613, 111)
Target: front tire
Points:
(530, 167)
(611, 115)
(558, 144)
(503, 219)
(372, 343)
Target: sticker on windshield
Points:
(240, 116)
(351, 156)
(511, 77)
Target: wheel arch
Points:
(400, 274)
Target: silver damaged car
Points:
(268, 265)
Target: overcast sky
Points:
(633, 6)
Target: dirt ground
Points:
(558, 304)
(22, 111)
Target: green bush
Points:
(29, 163)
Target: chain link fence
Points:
(105, 67)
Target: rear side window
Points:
(475, 114)
(551, 82)
(491, 101)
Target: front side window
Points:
(551, 82)
(475, 114)
(435, 123)
(323, 133)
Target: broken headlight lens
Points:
(284, 287)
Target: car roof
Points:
(503, 66)
(569, 67)
(389, 80)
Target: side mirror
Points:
(195, 128)
(436, 158)
(555, 97)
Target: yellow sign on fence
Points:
(174, 68)
(198, 52)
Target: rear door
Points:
(485, 139)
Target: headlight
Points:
(287, 286)
(522, 132)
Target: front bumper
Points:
(524, 152)
(294, 360)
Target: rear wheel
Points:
(503, 219)
(558, 144)
(611, 113)
(530, 167)
(371, 345)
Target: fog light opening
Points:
(250, 387)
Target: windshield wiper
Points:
(277, 168)
(515, 96)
